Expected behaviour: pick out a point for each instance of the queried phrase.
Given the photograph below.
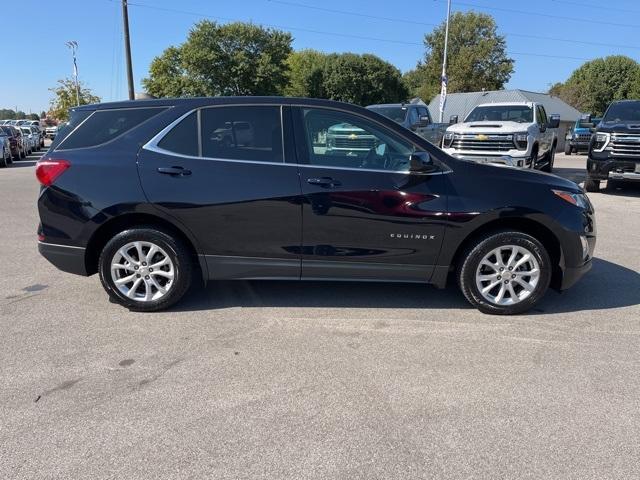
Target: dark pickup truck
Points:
(614, 151)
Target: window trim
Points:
(60, 147)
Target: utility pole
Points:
(73, 45)
(444, 80)
(127, 48)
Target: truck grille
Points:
(625, 144)
(359, 143)
(583, 137)
(481, 143)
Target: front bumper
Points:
(495, 158)
(64, 257)
(603, 167)
(571, 275)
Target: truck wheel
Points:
(567, 149)
(591, 185)
(549, 159)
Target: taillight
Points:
(48, 170)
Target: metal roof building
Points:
(462, 103)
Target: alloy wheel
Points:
(507, 275)
(142, 271)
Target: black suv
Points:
(614, 150)
(151, 194)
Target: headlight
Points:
(447, 139)
(600, 141)
(520, 140)
(578, 199)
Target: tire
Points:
(534, 158)
(567, 149)
(180, 266)
(23, 154)
(591, 185)
(550, 158)
(509, 241)
(4, 163)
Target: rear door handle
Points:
(326, 182)
(174, 171)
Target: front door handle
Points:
(326, 182)
(174, 171)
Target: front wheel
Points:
(591, 185)
(567, 148)
(505, 273)
(145, 269)
(550, 158)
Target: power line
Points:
(407, 21)
(334, 34)
(596, 6)
(548, 15)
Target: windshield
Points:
(397, 114)
(584, 124)
(623, 112)
(501, 113)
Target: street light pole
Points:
(444, 80)
(73, 45)
(127, 48)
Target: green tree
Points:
(362, 79)
(7, 114)
(65, 98)
(20, 115)
(476, 58)
(596, 83)
(33, 116)
(232, 59)
(306, 74)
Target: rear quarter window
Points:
(105, 125)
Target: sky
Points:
(547, 38)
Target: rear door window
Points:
(250, 133)
(105, 125)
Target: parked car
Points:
(144, 194)
(416, 117)
(513, 134)
(578, 138)
(614, 151)
(5, 149)
(31, 138)
(51, 132)
(16, 141)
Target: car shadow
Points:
(578, 175)
(606, 286)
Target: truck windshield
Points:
(397, 114)
(584, 124)
(623, 112)
(501, 113)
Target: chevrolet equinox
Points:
(153, 194)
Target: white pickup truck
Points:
(517, 134)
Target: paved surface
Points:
(345, 381)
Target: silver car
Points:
(32, 140)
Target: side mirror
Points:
(586, 118)
(424, 120)
(554, 121)
(421, 162)
(453, 119)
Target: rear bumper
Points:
(64, 257)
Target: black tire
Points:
(23, 154)
(567, 149)
(613, 184)
(177, 252)
(534, 157)
(474, 254)
(4, 163)
(549, 160)
(591, 185)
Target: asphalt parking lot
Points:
(318, 380)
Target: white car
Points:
(517, 134)
(32, 139)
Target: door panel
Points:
(367, 220)
(248, 209)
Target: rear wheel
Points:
(591, 185)
(3, 160)
(505, 273)
(145, 269)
